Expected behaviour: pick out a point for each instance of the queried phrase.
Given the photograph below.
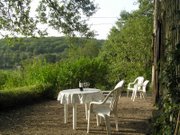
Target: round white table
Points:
(74, 97)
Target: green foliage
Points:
(24, 95)
(62, 75)
(84, 48)
(168, 107)
(34, 72)
(4, 76)
(37, 72)
(166, 116)
(84, 69)
(52, 49)
(128, 48)
(13, 79)
(63, 16)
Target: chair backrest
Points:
(145, 85)
(139, 80)
(119, 84)
(114, 94)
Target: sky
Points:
(105, 18)
(108, 14)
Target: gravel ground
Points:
(46, 118)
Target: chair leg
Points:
(116, 121)
(88, 125)
(86, 111)
(97, 119)
(107, 124)
(144, 95)
(127, 93)
(134, 95)
(100, 120)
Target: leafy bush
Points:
(38, 80)
(166, 116)
(168, 107)
(69, 73)
(24, 95)
(13, 79)
(32, 73)
(4, 76)
(37, 72)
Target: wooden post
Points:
(155, 55)
(177, 125)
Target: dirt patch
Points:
(46, 118)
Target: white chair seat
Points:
(102, 110)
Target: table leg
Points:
(65, 113)
(74, 116)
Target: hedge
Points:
(21, 96)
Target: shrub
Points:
(38, 72)
(69, 73)
(25, 95)
(37, 79)
(4, 77)
(13, 79)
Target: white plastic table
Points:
(74, 97)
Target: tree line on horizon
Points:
(51, 49)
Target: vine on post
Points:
(167, 117)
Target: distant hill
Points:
(52, 49)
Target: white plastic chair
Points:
(132, 86)
(142, 91)
(105, 108)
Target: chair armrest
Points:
(96, 103)
(103, 101)
(129, 85)
(132, 83)
(106, 92)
